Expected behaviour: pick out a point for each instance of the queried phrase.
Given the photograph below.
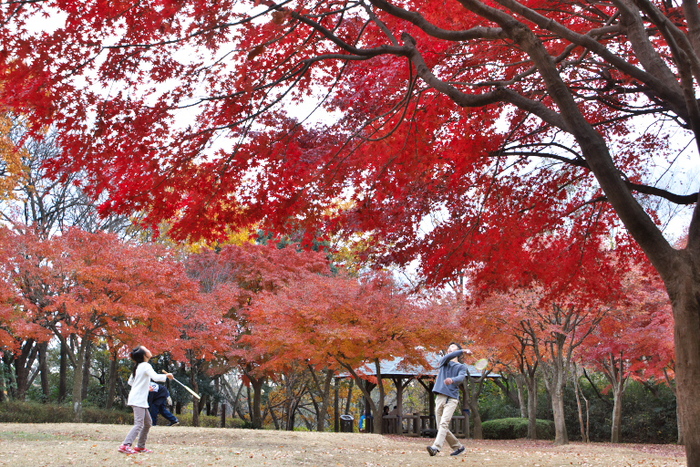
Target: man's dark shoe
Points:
(175, 423)
(432, 451)
(457, 451)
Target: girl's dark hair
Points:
(138, 355)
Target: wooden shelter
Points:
(402, 375)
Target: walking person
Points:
(450, 375)
(158, 400)
(140, 379)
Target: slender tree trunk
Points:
(63, 373)
(376, 413)
(616, 428)
(239, 405)
(12, 381)
(195, 402)
(324, 391)
(43, 348)
(3, 380)
(555, 380)
(275, 420)
(614, 370)
(582, 418)
(215, 403)
(522, 400)
(348, 400)
(85, 372)
(236, 403)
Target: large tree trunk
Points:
(531, 407)
(256, 414)
(616, 428)
(78, 381)
(195, 403)
(557, 396)
(112, 380)
(556, 373)
(686, 310)
(23, 365)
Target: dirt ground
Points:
(96, 445)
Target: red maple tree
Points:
(635, 341)
(242, 274)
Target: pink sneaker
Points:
(126, 449)
(142, 450)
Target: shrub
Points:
(514, 428)
(211, 421)
(33, 412)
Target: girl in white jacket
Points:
(140, 380)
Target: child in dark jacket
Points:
(158, 404)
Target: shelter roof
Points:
(397, 368)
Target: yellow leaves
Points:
(11, 168)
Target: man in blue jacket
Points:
(450, 375)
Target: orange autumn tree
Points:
(340, 323)
(245, 272)
(555, 330)
(24, 286)
(93, 286)
(208, 328)
(633, 342)
(495, 324)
